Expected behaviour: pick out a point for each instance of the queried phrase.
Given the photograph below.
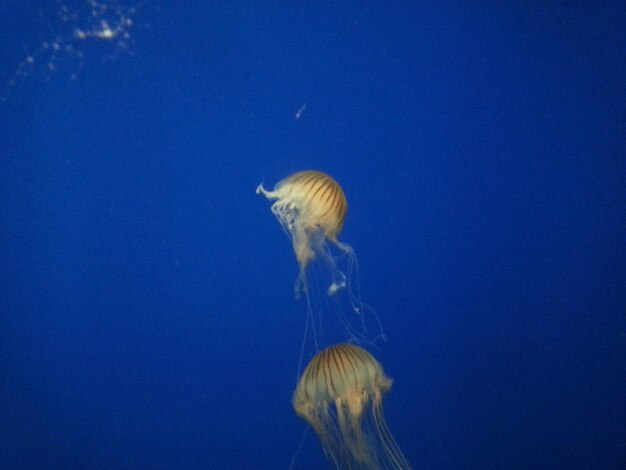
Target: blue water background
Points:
(147, 316)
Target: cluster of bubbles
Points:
(340, 392)
(71, 30)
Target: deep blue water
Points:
(147, 316)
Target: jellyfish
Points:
(311, 207)
(340, 396)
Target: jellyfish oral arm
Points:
(336, 287)
(260, 189)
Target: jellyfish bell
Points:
(311, 207)
(340, 396)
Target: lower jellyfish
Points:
(340, 396)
